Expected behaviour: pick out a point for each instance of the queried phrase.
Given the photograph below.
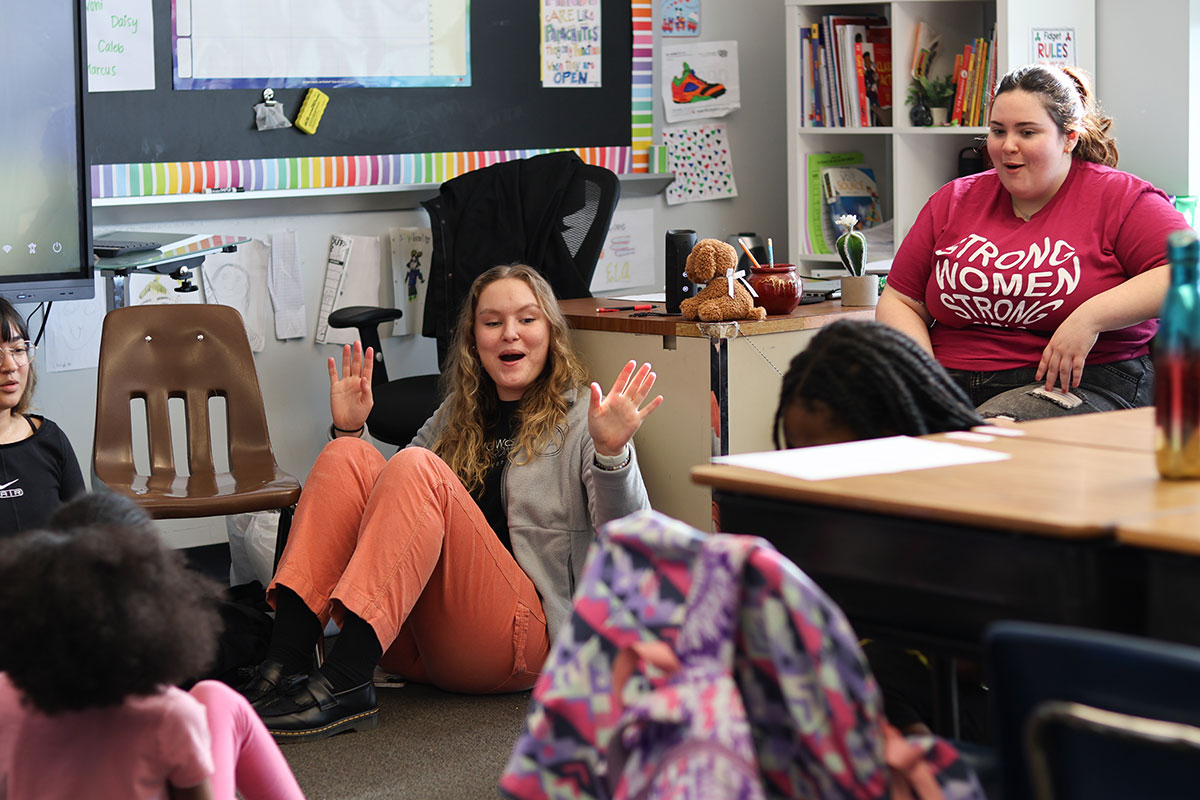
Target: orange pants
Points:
(402, 544)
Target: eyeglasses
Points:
(21, 353)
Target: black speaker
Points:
(679, 246)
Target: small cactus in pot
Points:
(851, 245)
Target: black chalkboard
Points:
(505, 108)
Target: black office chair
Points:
(1089, 714)
(579, 216)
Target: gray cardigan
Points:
(555, 503)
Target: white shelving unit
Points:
(911, 163)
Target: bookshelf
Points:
(911, 163)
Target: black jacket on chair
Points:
(507, 213)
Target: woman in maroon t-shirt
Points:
(1036, 283)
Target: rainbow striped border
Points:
(317, 172)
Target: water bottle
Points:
(1177, 363)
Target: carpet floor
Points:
(429, 744)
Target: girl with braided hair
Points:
(862, 380)
(1037, 283)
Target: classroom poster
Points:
(228, 44)
(120, 45)
(352, 278)
(627, 258)
(239, 279)
(412, 250)
(700, 80)
(570, 44)
(701, 161)
(680, 18)
(150, 289)
(73, 332)
(1053, 46)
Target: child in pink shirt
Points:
(106, 620)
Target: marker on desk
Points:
(771, 252)
(645, 307)
(223, 189)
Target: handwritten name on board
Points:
(570, 40)
(120, 45)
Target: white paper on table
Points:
(73, 332)
(868, 457)
(148, 289)
(120, 46)
(352, 278)
(285, 286)
(412, 250)
(627, 258)
(239, 279)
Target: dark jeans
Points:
(1103, 387)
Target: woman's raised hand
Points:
(350, 398)
(615, 418)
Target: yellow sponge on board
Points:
(311, 110)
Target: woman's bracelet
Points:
(334, 430)
(612, 463)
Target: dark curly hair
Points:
(876, 381)
(103, 609)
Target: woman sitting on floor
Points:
(452, 563)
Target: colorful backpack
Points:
(711, 666)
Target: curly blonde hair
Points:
(471, 393)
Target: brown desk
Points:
(720, 382)
(935, 555)
(1131, 429)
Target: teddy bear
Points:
(711, 260)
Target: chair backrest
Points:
(1087, 704)
(585, 228)
(193, 352)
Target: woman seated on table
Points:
(1036, 283)
(862, 380)
(452, 565)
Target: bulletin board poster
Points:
(120, 45)
(291, 44)
(680, 18)
(1054, 46)
(570, 41)
(627, 258)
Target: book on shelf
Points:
(975, 78)
(880, 39)
(862, 56)
(851, 190)
(836, 41)
(818, 224)
(925, 47)
(960, 84)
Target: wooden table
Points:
(935, 555)
(720, 382)
(1131, 429)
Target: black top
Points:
(499, 438)
(37, 475)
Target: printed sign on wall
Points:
(570, 44)
(1054, 46)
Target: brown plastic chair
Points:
(196, 353)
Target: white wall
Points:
(1147, 76)
(292, 373)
